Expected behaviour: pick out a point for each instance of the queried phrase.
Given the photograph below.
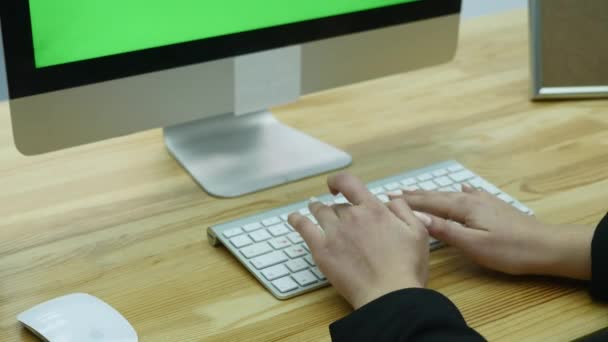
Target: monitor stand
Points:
(233, 155)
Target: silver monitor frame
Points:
(174, 97)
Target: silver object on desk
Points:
(280, 260)
(569, 48)
(231, 155)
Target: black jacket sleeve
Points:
(426, 315)
(405, 315)
(599, 262)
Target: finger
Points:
(312, 235)
(342, 210)
(400, 209)
(468, 189)
(425, 219)
(351, 187)
(324, 214)
(455, 234)
(395, 194)
(455, 206)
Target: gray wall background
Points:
(471, 8)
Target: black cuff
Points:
(405, 315)
(599, 261)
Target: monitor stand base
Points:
(233, 155)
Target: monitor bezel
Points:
(24, 79)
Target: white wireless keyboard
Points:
(278, 257)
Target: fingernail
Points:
(409, 189)
(467, 187)
(395, 193)
(290, 217)
(313, 200)
(424, 218)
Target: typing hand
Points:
(365, 249)
(497, 236)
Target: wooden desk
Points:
(121, 219)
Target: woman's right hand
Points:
(496, 235)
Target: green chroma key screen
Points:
(67, 31)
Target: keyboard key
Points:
(440, 172)
(280, 242)
(304, 211)
(289, 227)
(383, 198)
(296, 265)
(492, 190)
(233, 232)
(241, 241)
(285, 284)
(443, 181)
(457, 187)
(476, 182)
(260, 235)
(278, 230)
(408, 181)
(425, 177)
(271, 221)
(303, 244)
(397, 192)
(295, 237)
(275, 272)
(428, 186)
(268, 260)
(255, 250)
(461, 176)
(392, 186)
(310, 260)
(312, 219)
(304, 278)
(340, 200)
(455, 168)
(377, 190)
(284, 217)
(252, 226)
(317, 272)
(295, 251)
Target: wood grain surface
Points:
(121, 220)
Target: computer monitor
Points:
(207, 72)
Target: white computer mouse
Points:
(77, 317)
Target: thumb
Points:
(454, 233)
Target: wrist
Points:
(376, 292)
(566, 250)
